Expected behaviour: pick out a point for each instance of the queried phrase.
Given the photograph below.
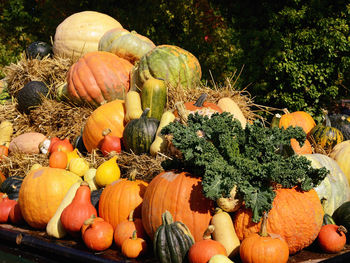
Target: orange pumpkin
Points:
(119, 198)
(109, 115)
(134, 247)
(4, 151)
(182, 195)
(58, 159)
(296, 216)
(305, 149)
(98, 77)
(297, 118)
(332, 238)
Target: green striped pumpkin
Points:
(334, 190)
(172, 240)
(173, 64)
(325, 136)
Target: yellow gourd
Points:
(133, 107)
(89, 177)
(107, 172)
(159, 144)
(220, 259)
(71, 155)
(224, 232)
(55, 228)
(6, 131)
(78, 166)
(227, 104)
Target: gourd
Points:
(159, 144)
(6, 132)
(231, 203)
(134, 247)
(229, 105)
(341, 217)
(78, 166)
(341, 154)
(38, 50)
(332, 238)
(326, 136)
(224, 232)
(133, 106)
(110, 143)
(71, 155)
(31, 95)
(11, 186)
(15, 215)
(191, 208)
(219, 259)
(154, 97)
(172, 240)
(139, 134)
(58, 159)
(297, 118)
(342, 123)
(54, 227)
(27, 143)
(89, 177)
(6, 205)
(107, 172)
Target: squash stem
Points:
(131, 216)
(342, 229)
(167, 218)
(201, 100)
(208, 232)
(263, 227)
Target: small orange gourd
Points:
(80, 209)
(58, 159)
(134, 247)
(332, 238)
(5, 207)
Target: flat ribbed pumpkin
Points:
(41, 193)
(295, 216)
(98, 77)
(109, 115)
(119, 198)
(341, 154)
(80, 33)
(173, 64)
(128, 45)
(334, 190)
(182, 195)
(297, 118)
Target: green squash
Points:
(38, 50)
(172, 240)
(173, 64)
(334, 190)
(11, 186)
(31, 95)
(342, 123)
(341, 217)
(328, 220)
(154, 97)
(326, 136)
(139, 134)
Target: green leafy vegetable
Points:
(255, 159)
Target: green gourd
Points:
(341, 217)
(154, 97)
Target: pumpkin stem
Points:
(132, 175)
(285, 111)
(131, 216)
(263, 227)
(167, 218)
(342, 229)
(201, 100)
(208, 232)
(106, 132)
(182, 111)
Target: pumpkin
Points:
(139, 134)
(325, 136)
(341, 217)
(11, 186)
(297, 118)
(58, 159)
(128, 45)
(171, 63)
(41, 193)
(27, 143)
(191, 207)
(264, 247)
(109, 143)
(341, 154)
(334, 190)
(332, 238)
(172, 240)
(61, 145)
(2, 178)
(296, 216)
(119, 198)
(109, 115)
(134, 246)
(107, 172)
(342, 123)
(305, 149)
(31, 95)
(15, 215)
(38, 50)
(96, 78)
(80, 33)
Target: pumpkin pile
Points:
(129, 100)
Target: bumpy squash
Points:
(341, 154)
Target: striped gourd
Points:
(325, 136)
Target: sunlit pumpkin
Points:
(297, 118)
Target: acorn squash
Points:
(31, 95)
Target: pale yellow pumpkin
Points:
(341, 154)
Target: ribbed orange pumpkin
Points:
(109, 115)
(41, 193)
(296, 216)
(297, 118)
(182, 195)
(98, 77)
(119, 198)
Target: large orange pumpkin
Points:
(305, 149)
(98, 77)
(41, 193)
(181, 194)
(109, 115)
(297, 118)
(296, 216)
(119, 198)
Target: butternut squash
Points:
(224, 232)
(133, 107)
(55, 228)
(227, 104)
(159, 142)
(220, 259)
(6, 131)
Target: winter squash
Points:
(134, 247)
(327, 220)
(342, 123)
(6, 132)
(31, 95)
(2, 179)
(133, 106)
(15, 215)
(325, 136)
(172, 240)
(341, 217)
(171, 63)
(119, 198)
(41, 193)
(107, 172)
(11, 186)
(192, 208)
(305, 149)
(297, 118)
(154, 97)
(109, 115)
(229, 105)
(128, 45)
(334, 190)
(95, 197)
(96, 78)
(341, 154)
(60, 145)
(263, 247)
(6, 205)
(220, 259)
(291, 207)
(27, 142)
(58, 159)
(80, 33)
(110, 143)
(38, 50)
(203, 250)
(332, 238)
(79, 166)
(74, 215)
(139, 134)
(89, 177)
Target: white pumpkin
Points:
(341, 154)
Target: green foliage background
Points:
(295, 54)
